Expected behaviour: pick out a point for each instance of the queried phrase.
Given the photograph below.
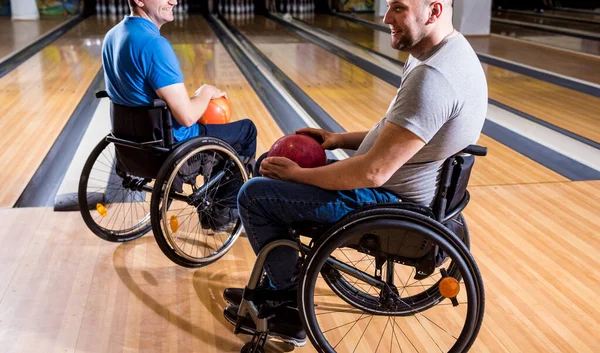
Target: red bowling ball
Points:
(302, 149)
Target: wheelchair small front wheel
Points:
(200, 179)
(108, 199)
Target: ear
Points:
(139, 3)
(435, 11)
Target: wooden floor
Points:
(16, 34)
(64, 290)
(534, 233)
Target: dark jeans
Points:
(241, 135)
(267, 207)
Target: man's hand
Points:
(210, 91)
(279, 168)
(328, 140)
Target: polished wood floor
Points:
(62, 289)
(16, 35)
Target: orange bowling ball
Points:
(217, 112)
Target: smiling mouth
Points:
(168, 9)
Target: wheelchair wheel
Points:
(108, 201)
(356, 308)
(200, 180)
(256, 170)
(425, 296)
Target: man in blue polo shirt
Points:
(140, 66)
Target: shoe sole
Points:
(286, 339)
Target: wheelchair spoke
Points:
(429, 335)
(363, 334)
(394, 336)
(405, 336)
(383, 334)
(350, 329)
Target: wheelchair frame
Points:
(173, 155)
(437, 213)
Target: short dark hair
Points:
(132, 4)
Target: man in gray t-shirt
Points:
(443, 101)
(438, 111)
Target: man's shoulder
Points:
(456, 52)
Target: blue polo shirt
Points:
(137, 61)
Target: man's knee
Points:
(249, 128)
(253, 189)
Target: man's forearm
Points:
(346, 174)
(199, 104)
(352, 140)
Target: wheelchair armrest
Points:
(458, 209)
(159, 103)
(475, 150)
(101, 94)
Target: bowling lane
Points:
(357, 99)
(16, 35)
(581, 45)
(204, 60)
(554, 14)
(574, 15)
(38, 98)
(568, 109)
(554, 22)
(564, 63)
(587, 46)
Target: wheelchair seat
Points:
(138, 131)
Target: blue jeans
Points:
(267, 207)
(241, 135)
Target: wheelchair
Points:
(137, 178)
(392, 277)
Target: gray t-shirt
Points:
(442, 100)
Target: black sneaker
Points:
(271, 297)
(220, 221)
(233, 296)
(285, 325)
